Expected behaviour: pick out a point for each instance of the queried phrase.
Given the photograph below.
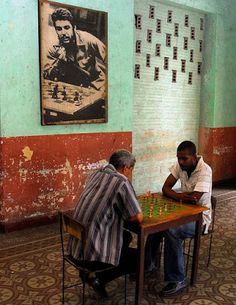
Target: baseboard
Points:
(28, 223)
(226, 182)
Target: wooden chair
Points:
(69, 225)
(188, 245)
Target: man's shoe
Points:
(173, 288)
(98, 287)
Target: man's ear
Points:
(195, 158)
(122, 170)
(125, 170)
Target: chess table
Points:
(161, 213)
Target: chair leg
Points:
(63, 281)
(83, 295)
(188, 255)
(209, 251)
(125, 288)
(160, 250)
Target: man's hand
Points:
(192, 197)
(137, 218)
(61, 54)
(188, 197)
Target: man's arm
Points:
(100, 55)
(128, 204)
(189, 197)
(136, 218)
(56, 59)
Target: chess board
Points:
(155, 205)
(66, 98)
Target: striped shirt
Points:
(200, 180)
(106, 202)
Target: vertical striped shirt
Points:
(200, 180)
(106, 202)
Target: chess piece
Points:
(55, 92)
(64, 94)
(76, 94)
(77, 98)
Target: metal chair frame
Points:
(69, 225)
(210, 233)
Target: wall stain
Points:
(69, 168)
(221, 150)
(28, 153)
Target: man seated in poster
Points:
(79, 58)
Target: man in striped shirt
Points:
(196, 186)
(106, 202)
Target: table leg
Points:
(140, 269)
(196, 248)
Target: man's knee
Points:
(173, 233)
(154, 239)
(181, 232)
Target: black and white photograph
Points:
(73, 64)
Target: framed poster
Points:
(73, 64)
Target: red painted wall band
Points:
(42, 174)
(218, 146)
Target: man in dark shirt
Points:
(79, 58)
(106, 202)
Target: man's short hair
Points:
(121, 158)
(187, 145)
(62, 14)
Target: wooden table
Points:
(161, 213)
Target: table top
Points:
(158, 209)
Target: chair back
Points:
(71, 226)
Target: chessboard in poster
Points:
(73, 64)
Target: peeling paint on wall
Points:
(222, 149)
(88, 168)
(51, 176)
(28, 153)
(23, 174)
(69, 168)
(218, 146)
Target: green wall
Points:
(225, 102)
(164, 113)
(218, 89)
(19, 66)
